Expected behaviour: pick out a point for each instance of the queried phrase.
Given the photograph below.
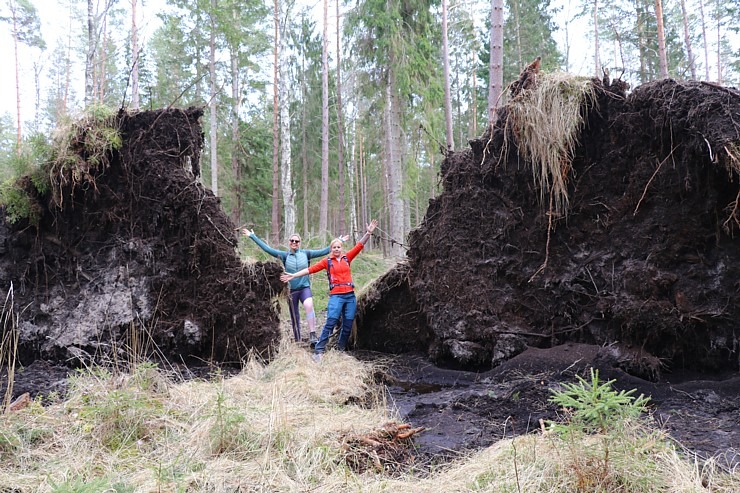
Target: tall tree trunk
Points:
(286, 173)
(395, 170)
(212, 103)
(19, 132)
(641, 42)
(101, 78)
(706, 40)
(275, 227)
(518, 31)
(597, 60)
(446, 69)
(90, 55)
(663, 60)
(432, 174)
(135, 63)
(719, 42)
(474, 98)
(351, 176)
(304, 145)
(687, 40)
(236, 102)
(340, 131)
(324, 205)
(68, 67)
(496, 65)
(362, 184)
(566, 27)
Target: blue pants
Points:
(340, 306)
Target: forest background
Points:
(315, 129)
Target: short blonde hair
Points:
(335, 241)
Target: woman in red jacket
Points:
(342, 301)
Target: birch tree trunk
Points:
(275, 226)
(597, 60)
(19, 132)
(663, 60)
(212, 104)
(304, 147)
(68, 67)
(135, 61)
(446, 70)
(719, 42)
(395, 171)
(286, 173)
(101, 63)
(496, 64)
(235, 97)
(324, 205)
(362, 184)
(687, 40)
(90, 55)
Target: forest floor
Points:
(462, 411)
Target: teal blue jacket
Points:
(293, 262)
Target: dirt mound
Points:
(640, 248)
(132, 256)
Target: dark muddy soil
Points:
(463, 410)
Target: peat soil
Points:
(130, 255)
(503, 297)
(467, 410)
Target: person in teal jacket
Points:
(295, 259)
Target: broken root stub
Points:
(388, 449)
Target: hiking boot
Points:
(312, 340)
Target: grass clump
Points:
(546, 121)
(80, 147)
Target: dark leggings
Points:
(299, 295)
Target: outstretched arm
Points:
(325, 250)
(285, 277)
(369, 231)
(249, 233)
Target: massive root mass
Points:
(126, 254)
(630, 236)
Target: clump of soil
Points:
(133, 257)
(646, 254)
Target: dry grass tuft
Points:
(290, 426)
(545, 121)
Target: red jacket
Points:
(341, 274)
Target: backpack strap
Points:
(328, 274)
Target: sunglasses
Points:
(295, 241)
